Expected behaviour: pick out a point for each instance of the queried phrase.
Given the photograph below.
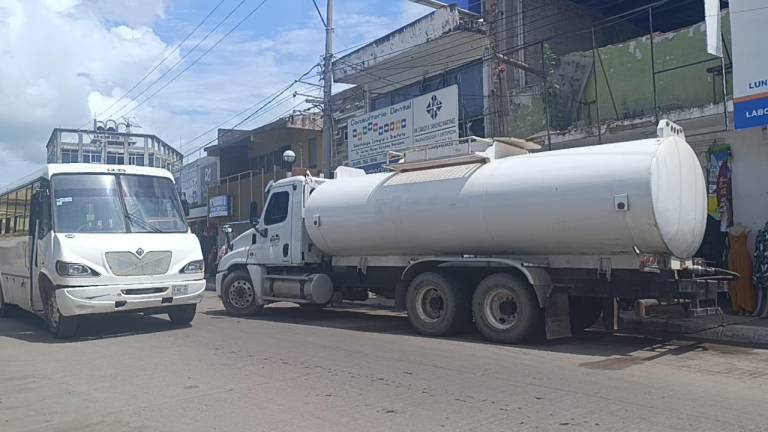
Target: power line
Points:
(168, 55)
(250, 116)
(207, 35)
(248, 108)
(602, 23)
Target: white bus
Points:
(86, 239)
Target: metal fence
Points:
(623, 72)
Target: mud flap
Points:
(557, 316)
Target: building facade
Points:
(569, 73)
(110, 146)
(249, 159)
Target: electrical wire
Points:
(166, 57)
(189, 66)
(250, 107)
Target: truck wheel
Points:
(436, 305)
(239, 295)
(182, 315)
(60, 326)
(506, 309)
(585, 311)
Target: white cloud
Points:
(53, 59)
(64, 60)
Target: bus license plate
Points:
(180, 290)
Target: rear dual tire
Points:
(506, 309)
(437, 305)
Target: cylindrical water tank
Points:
(648, 195)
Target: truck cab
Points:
(266, 258)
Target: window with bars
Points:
(69, 156)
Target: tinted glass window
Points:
(277, 209)
(87, 203)
(152, 204)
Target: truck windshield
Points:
(107, 203)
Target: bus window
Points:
(11, 212)
(3, 214)
(25, 200)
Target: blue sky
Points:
(67, 60)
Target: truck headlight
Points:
(69, 269)
(196, 266)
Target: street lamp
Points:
(289, 157)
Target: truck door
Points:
(277, 221)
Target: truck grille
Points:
(128, 264)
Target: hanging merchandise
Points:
(740, 261)
(760, 276)
(713, 247)
(719, 185)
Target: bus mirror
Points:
(254, 216)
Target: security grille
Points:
(128, 264)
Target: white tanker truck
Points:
(515, 242)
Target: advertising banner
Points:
(714, 32)
(750, 64)
(195, 179)
(428, 119)
(220, 206)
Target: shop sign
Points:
(220, 206)
(750, 64)
(427, 120)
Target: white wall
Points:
(750, 178)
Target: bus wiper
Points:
(132, 217)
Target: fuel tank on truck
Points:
(648, 195)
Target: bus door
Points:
(39, 237)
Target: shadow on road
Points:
(590, 343)
(27, 327)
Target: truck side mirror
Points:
(254, 215)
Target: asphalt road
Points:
(366, 371)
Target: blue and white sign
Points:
(750, 63)
(429, 119)
(220, 206)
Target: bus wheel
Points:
(60, 326)
(5, 308)
(506, 309)
(437, 305)
(182, 315)
(239, 295)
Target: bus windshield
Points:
(108, 203)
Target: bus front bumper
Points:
(126, 298)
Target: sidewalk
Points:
(714, 328)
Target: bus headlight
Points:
(196, 266)
(69, 269)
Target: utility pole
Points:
(494, 121)
(327, 91)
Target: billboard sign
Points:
(220, 206)
(426, 120)
(196, 177)
(750, 64)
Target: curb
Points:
(719, 330)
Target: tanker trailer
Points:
(517, 242)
